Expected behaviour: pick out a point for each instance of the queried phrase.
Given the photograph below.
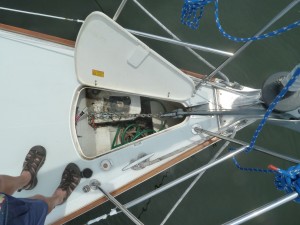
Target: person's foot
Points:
(34, 160)
(69, 181)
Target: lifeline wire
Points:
(41, 14)
(196, 180)
(190, 17)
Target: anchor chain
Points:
(118, 116)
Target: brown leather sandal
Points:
(34, 160)
(70, 179)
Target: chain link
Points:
(119, 116)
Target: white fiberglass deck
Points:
(39, 88)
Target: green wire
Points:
(139, 132)
(126, 129)
(115, 138)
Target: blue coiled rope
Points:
(288, 180)
(192, 11)
(285, 180)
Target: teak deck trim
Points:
(38, 35)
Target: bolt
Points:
(86, 188)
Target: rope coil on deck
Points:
(192, 12)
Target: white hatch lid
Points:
(108, 56)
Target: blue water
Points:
(224, 192)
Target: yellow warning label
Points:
(98, 73)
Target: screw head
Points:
(86, 188)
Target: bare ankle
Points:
(26, 177)
(59, 194)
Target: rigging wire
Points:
(196, 179)
(295, 74)
(285, 180)
(42, 14)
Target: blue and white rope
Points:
(288, 180)
(192, 12)
(251, 169)
(295, 74)
(285, 180)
